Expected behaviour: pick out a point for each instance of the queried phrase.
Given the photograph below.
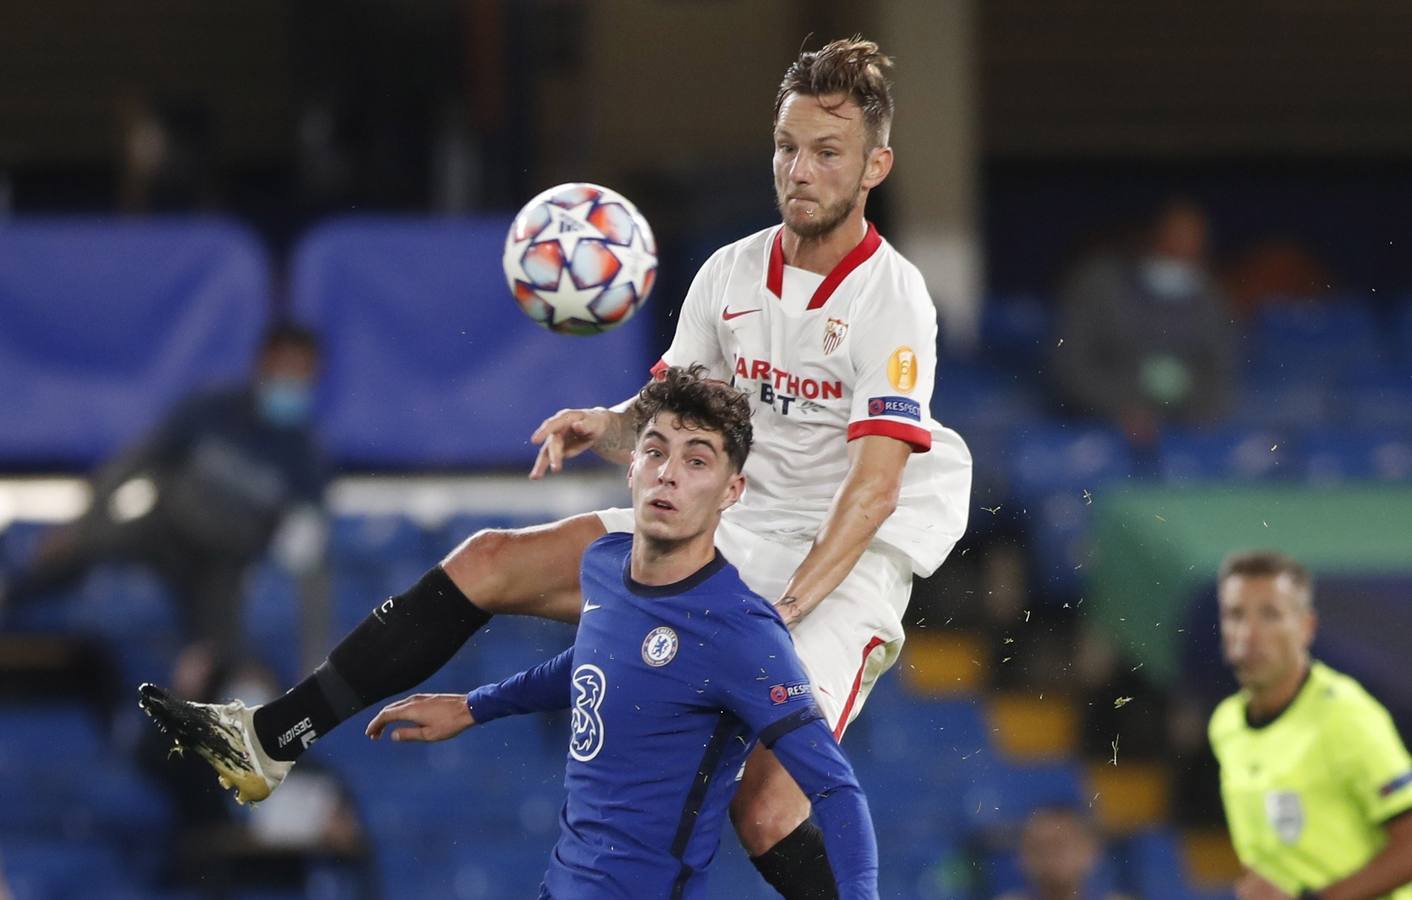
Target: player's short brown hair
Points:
(853, 67)
(699, 402)
(1268, 564)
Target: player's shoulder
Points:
(1227, 719)
(1339, 700)
(614, 545)
(752, 247)
(738, 601)
(895, 282)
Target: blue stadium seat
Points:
(1017, 329)
(428, 359)
(1314, 341)
(1282, 404)
(1338, 455)
(54, 869)
(1055, 471)
(105, 323)
(50, 736)
(1158, 870)
(998, 794)
(1227, 454)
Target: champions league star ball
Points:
(580, 259)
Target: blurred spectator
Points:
(167, 154)
(1145, 338)
(205, 495)
(1059, 853)
(1275, 270)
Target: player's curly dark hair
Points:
(853, 67)
(699, 402)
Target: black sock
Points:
(399, 645)
(798, 866)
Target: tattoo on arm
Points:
(621, 436)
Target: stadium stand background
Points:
(354, 165)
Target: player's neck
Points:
(656, 563)
(822, 254)
(1267, 704)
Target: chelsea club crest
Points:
(659, 647)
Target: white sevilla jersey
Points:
(826, 359)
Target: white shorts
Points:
(851, 638)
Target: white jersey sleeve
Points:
(894, 357)
(696, 339)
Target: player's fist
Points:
(565, 435)
(433, 717)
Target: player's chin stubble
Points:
(823, 220)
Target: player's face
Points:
(681, 479)
(1266, 629)
(823, 167)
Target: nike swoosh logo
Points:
(727, 315)
(590, 607)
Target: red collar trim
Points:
(774, 273)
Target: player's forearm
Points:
(540, 689)
(850, 841)
(620, 435)
(813, 759)
(859, 508)
(1389, 869)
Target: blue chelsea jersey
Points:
(669, 688)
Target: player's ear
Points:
(734, 488)
(876, 169)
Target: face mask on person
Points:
(1170, 279)
(286, 402)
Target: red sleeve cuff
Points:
(920, 439)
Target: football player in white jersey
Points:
(851, 490)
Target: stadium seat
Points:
(1028, 727)
(1055, 472)
(998, 794)
(1130, 796)
(1328, 341)
(1228, 453)
(1332, 456)
(64, 869)
(50, 736)
(944, 662)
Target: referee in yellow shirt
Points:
(1316, 783)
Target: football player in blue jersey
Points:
(678, 669)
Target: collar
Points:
(774, 272)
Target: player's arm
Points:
(1389, 869)
(862, 503)
(436, 717)
(812, 757)
(609, 432)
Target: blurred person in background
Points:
(1146, 338)
(1316, 782)
(229, 474)
(1059, 853)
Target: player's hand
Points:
(1251, 886)
(435, 717)
(565, 435)
(792, 609)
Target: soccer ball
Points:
(580, 259)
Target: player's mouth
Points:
(662, 505)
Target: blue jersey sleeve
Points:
(811, 755)
(769, 690)
(541, 689)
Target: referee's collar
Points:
(1265, 721)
